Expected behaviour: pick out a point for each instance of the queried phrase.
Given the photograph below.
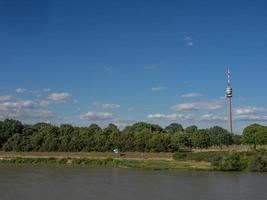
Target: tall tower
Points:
(229, 95)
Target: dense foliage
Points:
(232, 161)
(209, 156)
(255, 134)
(142, 137)
(254, 161)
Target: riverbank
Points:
(137, 160)
(208, 160)
(159, 164)
(124, 155)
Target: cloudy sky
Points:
(123, 61)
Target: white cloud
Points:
(186, 106)
(213, 117)
(44, 103)
(191, 95)
(12, 107)
(251, 118)
(58, 96)
(170, 117)
(250, 113)
(46, 90)
(107, 105)
(123, 123)
(20, 90)
(5, 98)
(249, 110)
(97, 116)
(40, 92)
(35, 113)
(110, 106)
(17, 104)
(157, 89)
(188, 41)
(54, 98)
(211, 105)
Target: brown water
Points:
(64, 183)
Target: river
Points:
(75, 183)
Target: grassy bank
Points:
(209, 160)
(125, 155)
(255, 161)
(111, 162)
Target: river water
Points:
(75, 183)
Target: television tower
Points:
(229, 95)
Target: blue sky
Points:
(158, 61)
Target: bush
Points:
(199, 156)
(262, 151)
(258, 164)
(179, 156)
(231, 162)
(216, 160)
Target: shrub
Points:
(199, 156)
(179, 156)
(216, 160)
(262, 151)
(232, 161)
(258, 164)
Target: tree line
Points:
(140, 137)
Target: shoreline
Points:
(112, 162)
(124, 155)
(153, 161)
(254, 161)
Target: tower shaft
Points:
(230, 118)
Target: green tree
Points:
(191, 129)
(201, 139)
(141, 137)
(219, 136)
(113, 137)
(127, 139)
(18, 142)
(255, 134)
(174, 128)
(159, 142)
(237, 139)
(65, 134)
(88, 136)
(137, 136)
(50, 138)
(261, 136)
(100, 140)
(141, 141)
(178, 141)
(8, 128)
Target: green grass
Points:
(23, 160)
(110, 162)
(198, 156)
(218, 160)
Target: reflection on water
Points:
(61, 182)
